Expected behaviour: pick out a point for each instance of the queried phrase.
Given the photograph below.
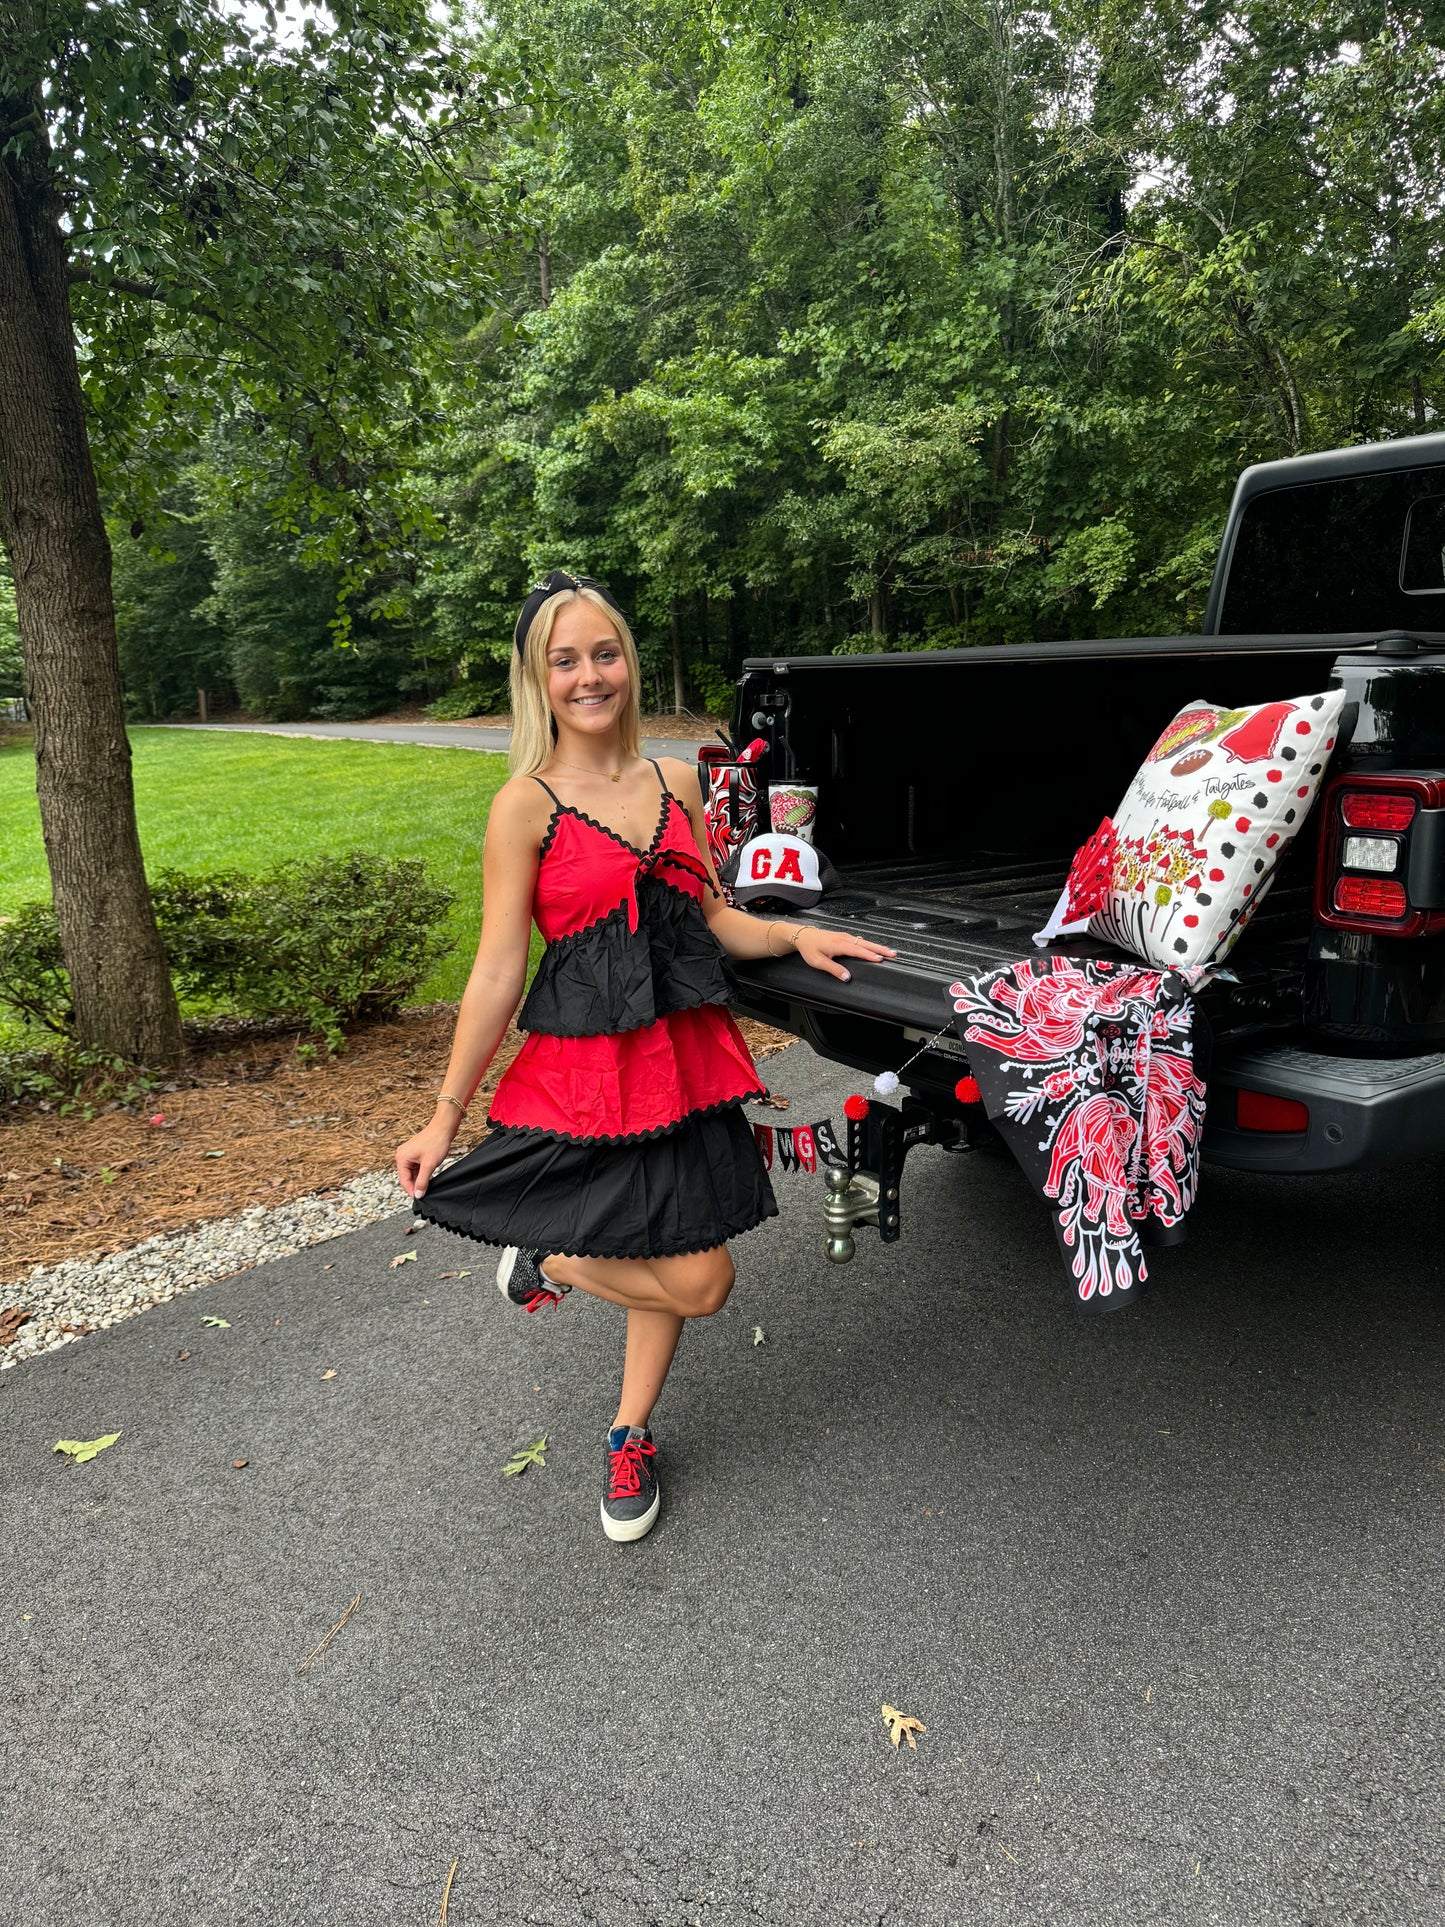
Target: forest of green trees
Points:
(809, 325)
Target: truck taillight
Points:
(1375, 810)
(1371, 897)
(1391, 881)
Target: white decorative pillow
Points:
(1218, 801)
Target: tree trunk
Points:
(880, 609)
(51, 524)
(678, 690)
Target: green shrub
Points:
(330, 941)
(65, 1078)
(209, 939)
(483, 695)
(336, 940)
(33, 977)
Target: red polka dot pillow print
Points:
(1201, 830)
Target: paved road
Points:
(1165, 1588)
(436, 735)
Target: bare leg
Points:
(658, 1295)
(651, 1341)
(694, 1286)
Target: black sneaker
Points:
(521, 1278)
(630, 1498)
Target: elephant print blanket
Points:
(1092, 1073)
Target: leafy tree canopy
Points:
(827, 325)
(274, 221)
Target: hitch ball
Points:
(851, 1201)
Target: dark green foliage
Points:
(67, 1078)
(859, 326)
(12, 663)
(479, 695)
(33, 979)
(171, 640)
(331, 941)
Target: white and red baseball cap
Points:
(781, 867)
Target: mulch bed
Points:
(250, 1124)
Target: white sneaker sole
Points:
(506, 1264)
(622, 1530)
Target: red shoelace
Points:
(541, 1296)
(625, 1481)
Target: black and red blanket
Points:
(1093, 1073)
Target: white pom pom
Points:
(886, 1083)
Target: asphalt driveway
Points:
(1165, 1589)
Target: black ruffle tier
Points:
(608, 978)
(657, 1197)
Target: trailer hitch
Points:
(865, 1191)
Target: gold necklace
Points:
(616, 776)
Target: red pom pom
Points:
(855, 1107)
(967, 1092)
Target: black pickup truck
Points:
(957, 784)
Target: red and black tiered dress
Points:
(617, 1130)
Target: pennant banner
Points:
(799, 1147)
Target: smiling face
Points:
(588, 681)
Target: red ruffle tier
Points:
(630, 1084)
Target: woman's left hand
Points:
(821, 949)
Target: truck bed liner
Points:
(951, 919)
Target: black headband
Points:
(554, 582)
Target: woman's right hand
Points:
(420, 1156)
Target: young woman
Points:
(619, 1162)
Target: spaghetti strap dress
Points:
(617, 1130)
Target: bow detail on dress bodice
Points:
(652, 864)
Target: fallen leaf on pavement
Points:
(760, 1337)
(182, 1354)
(82, 1449)
(223, 1323)
(533, 1454)
(238, 1463)
(774, 1102)
(901, 1726)
(330, 1374)
(446, 1274)
(403, 1258)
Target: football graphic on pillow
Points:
(1197, 846)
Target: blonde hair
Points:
(534, 729)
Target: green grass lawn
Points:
(212, 802)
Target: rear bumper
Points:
(1362, 1110)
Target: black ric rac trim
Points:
(632, 1137)
(600, 1249)
(559, 810)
